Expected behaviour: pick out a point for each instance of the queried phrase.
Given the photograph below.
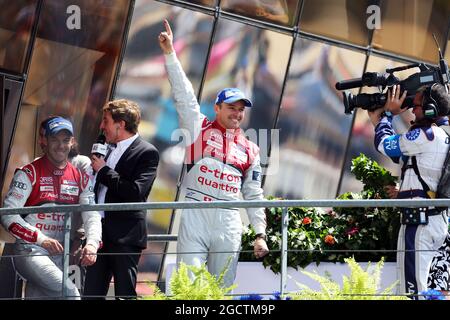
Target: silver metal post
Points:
(284, 246)
(67, 227)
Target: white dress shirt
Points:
(111, 162)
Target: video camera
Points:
(428, 75)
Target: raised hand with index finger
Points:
(166, 39)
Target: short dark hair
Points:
(442, 98)
(125, 110)
(44, 124)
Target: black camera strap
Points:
(414, 166)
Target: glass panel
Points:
(338, 19)
(72, 70)
(16, 21)
(280, 12)
(143, 79)
(22, 150)
(313, 126)
(407, 27)
(363, 130)
(255, 61)
(12, 92)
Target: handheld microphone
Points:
(99, 148)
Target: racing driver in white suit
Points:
(221, 163)
(50, 180)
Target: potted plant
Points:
(317, 235)
(190, 282)
(359, 285)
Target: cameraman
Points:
(421, 152)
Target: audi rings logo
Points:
(19, 185)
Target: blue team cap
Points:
(230, 95)
(57, 124)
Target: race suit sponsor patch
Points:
(46, 180)
(413, 134)
(71, 182)
(19, 185)
(240, 155)
(46, 188)
(15, 195)
(391, 146)
(70, 190)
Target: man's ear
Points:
(41, 138)
(43, 141)
(216, 108)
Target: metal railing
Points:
(284, 204)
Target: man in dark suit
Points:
(125, 175)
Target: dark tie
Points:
(111, 147)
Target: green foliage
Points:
(307, 230)
(317, 235)
(369, 228)
(194, 283)
(360, 285)
(373, 176)
(157, 294)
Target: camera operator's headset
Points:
(429, 105)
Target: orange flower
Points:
(329, 239)
(306, 220)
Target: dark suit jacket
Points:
(130, 181)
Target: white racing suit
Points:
(221, 164)
(417, 244)
(41, 184)
(84, 164)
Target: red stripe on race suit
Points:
(231, 148)
(23, 232)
